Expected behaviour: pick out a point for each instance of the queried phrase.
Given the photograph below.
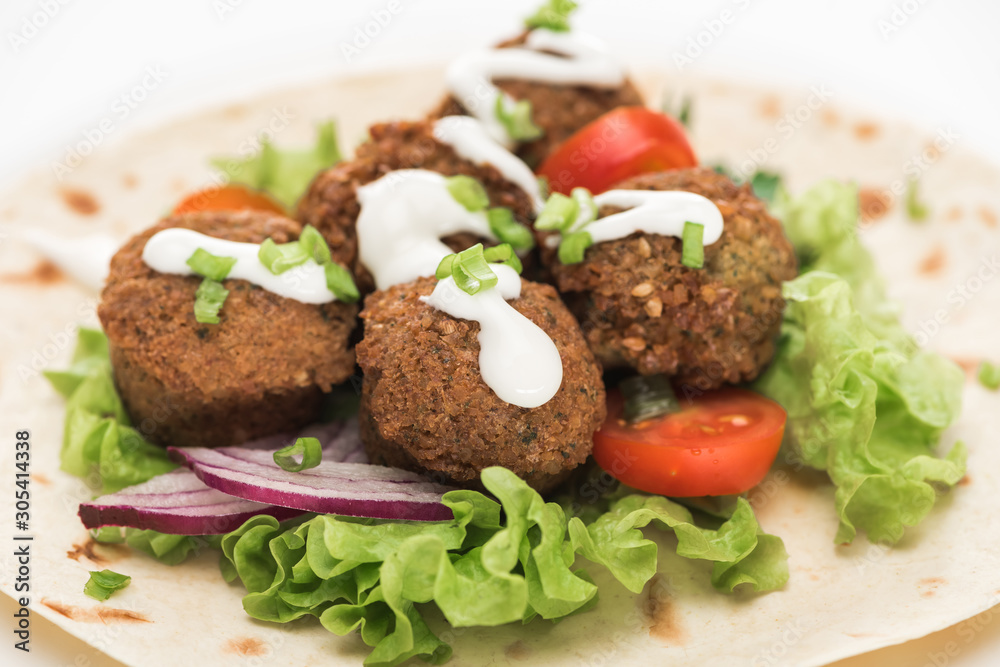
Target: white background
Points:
(63, 66)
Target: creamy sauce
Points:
(655, 212)
(87, 260)
(582, 61)
(470, 139)
(403, 217)
(517, 360)
(168, 251)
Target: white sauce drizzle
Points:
(87, 260)
(655, 212)
(586, 62)
(403, 217)
(168, 251)
(517, 360)
(470, 139)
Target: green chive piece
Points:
(207, 265)
(315, 245)
(574, 246)
(544, 189)
(208, 301)
(916, 210)
(559, 213)
(552, 16)
(504, 254)
(693, 251)
(508, 230)
(468, 192)
(444, 268)
(989, 375)
(516, 119)
(308, 448)
(647, 397)
(587, 208)
(471, 272)
(279, 258)
(103, 584)
(340, 282)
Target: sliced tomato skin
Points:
(622, 143)
(228, 198)
(675, 456)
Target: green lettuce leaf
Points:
(864, 402)
(284, 173)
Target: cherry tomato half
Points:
(624, 142)
(721, 443)
(228, 198)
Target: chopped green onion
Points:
(208, 301)
(916, 210)
(468, 192)
(765, 185)
(553, 16)
(508, 230)
(516, 120)
(504, 254)
(989, 375)
(647, 397)
(107, 535)
(693, 250)
(559, 213)
(315, 245)
(444, 268)
(310, 450)
(471, 272)
(587, 211)
(543, 187)
(207, 265)
(340, 282)
(573, 247)
(280, 258)
(102, 584)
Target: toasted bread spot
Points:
(86, 550)
(80, 201)
(246, 646)
(98, 614)
(830, 118)
(42, 274)
(933, 262)
(931, 583)
(988, 217)
(41, 479)
(866, 131)
(770, 107)
(874, 204)
(517, 650)
(965, 481)
(954, 213)
(659, 610)
(129, 180)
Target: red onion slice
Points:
(332, 487)
(177, 503)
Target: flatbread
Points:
(840, 601)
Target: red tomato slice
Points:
(625, 142)
(228, 198)
(721, 443)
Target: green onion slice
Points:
(279, 258)
(340, 282)
(503, 254)
(559, 213)
(207, 265)
(574, 247)
(916, 210)
(587, 208)
(508, 230)
(468, 192)
(553, 16)
(444, 268)
(471, 272)
(208, 301)
(315, 245)
(516, 119)
(102, 584)
(308, 448)
(648, 397)
(989, 375)
(693, 251)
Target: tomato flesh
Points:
(721, 443)
(228, 198)
(622, 143)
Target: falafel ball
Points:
(558, 110)
(262, 370)
(331, 203)
(640, 307)
(425, 406)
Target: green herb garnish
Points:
(508, 230)
(310, 450)
(647, 397)
(468, 192)
(103, 584)
(279, 258)
(989, 375)
(207, 265)
(208, 301)
(693, 250)
(315, 246)
(765, 185)
(916, 210)
(516, 119)
(552, 16)
(340, 282)
(559, 213)
(503, 254)
(470, 269)
(573, 247)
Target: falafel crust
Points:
(425, 407)
(331, 202)
(640, 307)
(558, 110)
(262, 370)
